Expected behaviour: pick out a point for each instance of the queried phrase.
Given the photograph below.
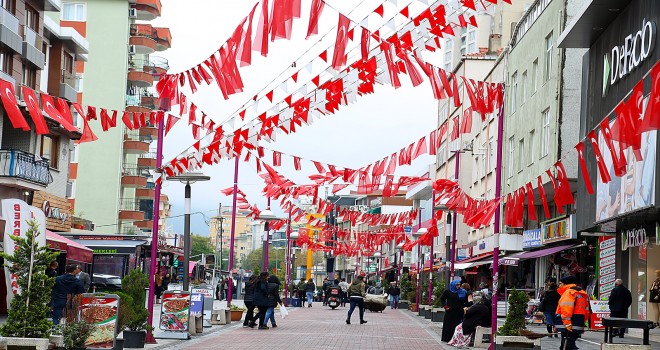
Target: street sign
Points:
(407, 229)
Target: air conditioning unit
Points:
(132, 13)
(131, 49)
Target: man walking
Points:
(619, 302)
(310, 288)
(67, 288)
(395, 291)
(343, 285)
(356, 294)
(572, 312)
(84, 279)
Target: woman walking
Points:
(273, 299)
(260, 300)
(453, 300)
(248, 300)
(310, 288)
(549, 303)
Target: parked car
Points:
(106, 282)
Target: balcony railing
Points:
(129, 204)
(134, 135)
(159, 62)
(31, 37)
(68, 78)
(8, 20)
(141, 99)
(25, 166)
(134, 170)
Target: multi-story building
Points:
(246, 230)
(541, 124)
(116, 190)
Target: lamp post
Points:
(290, 236)
(377, 256)
(399, 249)
(266, 215)
(420, 231)
(218, 231)
(187, 178)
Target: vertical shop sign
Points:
(606, 266)
(599, 310)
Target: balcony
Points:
(145, 193)
(22, 170)
(163, 39)
(31, 49)
(145, 224)
(147, 160)
(136, 144)
(51, 5)
(67, 86)
(133, 176)
(140, 101)
(149, 132)
(140, 77)
(160, 66)
(129, 210)
(9, 31)
(147, 10)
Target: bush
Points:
(133, 286)
(439, 287)
(515, 317)
(408, 287)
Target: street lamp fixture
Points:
(266, 215)
(187, 178)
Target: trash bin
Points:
(296, 302)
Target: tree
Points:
(28, 310)
(515, 317)
(201, 245)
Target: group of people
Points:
(261, 292)
(161, 284)
(465, 310)
(68, 287)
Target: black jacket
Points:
(620, 299)
(550, 301)
(274, 294)
(249, 291)
(260, 296)
(310, 287)
(477, 315)
(394, 291)
(66, 285)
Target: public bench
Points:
(614, 322)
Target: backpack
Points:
(354, 289)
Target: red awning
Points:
(191, 266)
(74, 251)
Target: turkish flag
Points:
(466, 126)
(602, 167)
(563, 186)
(626, 126)
(88, 134)
(455, 130)
(544, 200)
(11, 106)
(35, 111)
(618, 161)
(364, 44)
(583, 167)
(314, 15)
(651, 119)
(531, 209)
(339, 57)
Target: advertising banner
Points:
(635, 189)
(175, 311)
(599, 309)
(531, 238)
(606, 266)
(100, 310)
(556, 231)
(196, 304)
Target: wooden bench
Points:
(614, 322)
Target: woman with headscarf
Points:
(453, 300)
(477, 315)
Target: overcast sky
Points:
(359, 134)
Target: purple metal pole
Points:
(496, 224)
(431, 252)
(419, 254)
(267, 229)
(287, 278)
(233, 231)
(154, 234)
(455, 224)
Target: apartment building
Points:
(116, 190)
(244, 234)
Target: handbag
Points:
(283, 311)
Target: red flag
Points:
(544, 200)
(433, 145)
(626, 125)
(339, 57)
(420, 148)
(462, 21)
(171, 120)
(555, 189)
(531, 209)
(652, 115)
(277, 158)
(391, 167)
(602, 167)
(563, 187)
(88, 134)
(261, 42)
(469, 4)
(65, 111)
(35, 111)
(127, 120)
(319, 167)
(466, 126)
(364, 44)
(296, 163)
(618, 161)
(314, 15)
(583, 167)
(11, 106)
(455, 130)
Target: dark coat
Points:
(453, 315)
(274, 294)
(477, 315)
(65, 286)
(310, 287)
(620, 300)
(249, 291)
(550, 301)
(260, 296)
(395, 291)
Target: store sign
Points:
(531, 238)
(57, 211)
(625, 58)
(105, 251)
(560, 230)
(634, 238)
(599, 310)
(606, 265)
(102, 313)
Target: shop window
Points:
(49, 149)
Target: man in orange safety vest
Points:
(572, 311)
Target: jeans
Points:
(249, 315)
(270, 315)
(359, 302)
(394, 301)
(310, 298)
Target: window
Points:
(448, 56)
(511, 150)
(468, 42)
(29, 78)
(491, 154)
(532, 146)
(524, 87)
(79, 82)
(442, 153)
(67, 62)
(483, 159)
(535, 72)
(9, 5)
(49, 149)
(548, 57)
(6, 58)
(521, 154)
(73, 12)
(31, 18)
(545, 137)
(514, 91)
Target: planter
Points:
(119, 344)
(516, 343)
(437, 314)
(25, 343)
(413, 307)
(57, 340)
(236, 315)
(134, 339)
(427, 312)
(420, 310)
(404, 304)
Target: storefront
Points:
(620, 218)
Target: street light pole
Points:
(233, 231)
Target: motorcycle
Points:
(334, 300)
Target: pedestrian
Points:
(51, 270)
(477, 315)
(395, 292)
(310, 288)
(619, 302)
(326, 290)
(248, 300)
(343, 286)
(453, 301)
(158, 290)
(273, 299)
(356, 294)
(376, 290)
(260, 300)
(549, 302)
(302, 285)
(166, 281)
(67, 288)
(654, 297)
(572, 312)
(84, 278)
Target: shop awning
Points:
(467, 265)
(191, 266)
(111, 246)
(476, 258)
(74, 250)
(541, 253)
